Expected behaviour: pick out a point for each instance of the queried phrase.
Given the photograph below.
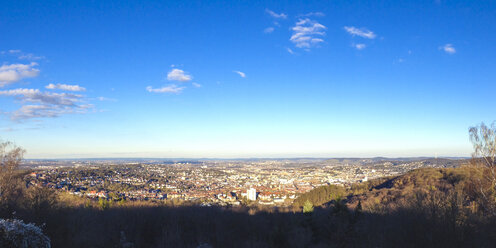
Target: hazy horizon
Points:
(246, 158)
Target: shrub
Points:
(307, 207)
(16, 233)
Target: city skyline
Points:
(245, 79)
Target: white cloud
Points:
(30, 56)
(15, 72)
(360, 46)
(317, 14)
(306, 33)
(289, 50)
(448, 48)
(65, 87)
(36, 111)
(275, 15)
(197, 85)
(166, 89)
(173, 75)
(36, 96)
(44, 111)
(362, 32)
(178, 75)
(37, 104)
(21, 55)
(269, 30)
(242, 74)
(19, 91)
(101, 98)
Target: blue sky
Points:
(245, 78)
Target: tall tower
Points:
(251, 194)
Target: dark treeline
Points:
(418, 224)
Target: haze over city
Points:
(241, 79)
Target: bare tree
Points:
(10, 159)
(483, 139)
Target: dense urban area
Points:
(274, 182)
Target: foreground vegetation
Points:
(423, 208)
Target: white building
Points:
(251, 194)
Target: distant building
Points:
(251, 194)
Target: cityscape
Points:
(222, 182)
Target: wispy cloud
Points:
(15, 72)
(359, 46)
(8, 129)
(22, 55)
(178, 75)
(362, 32)
(30, 56)
(306, 33)
(316, 14)
(275, 15)
(290, 50)
(102, 99)
(45, 111)
(197, 85)
(166, 89)
(448, 48)
(36, 96)
(66, 87)
(269, 30)
(37, 104)
(241, 74)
